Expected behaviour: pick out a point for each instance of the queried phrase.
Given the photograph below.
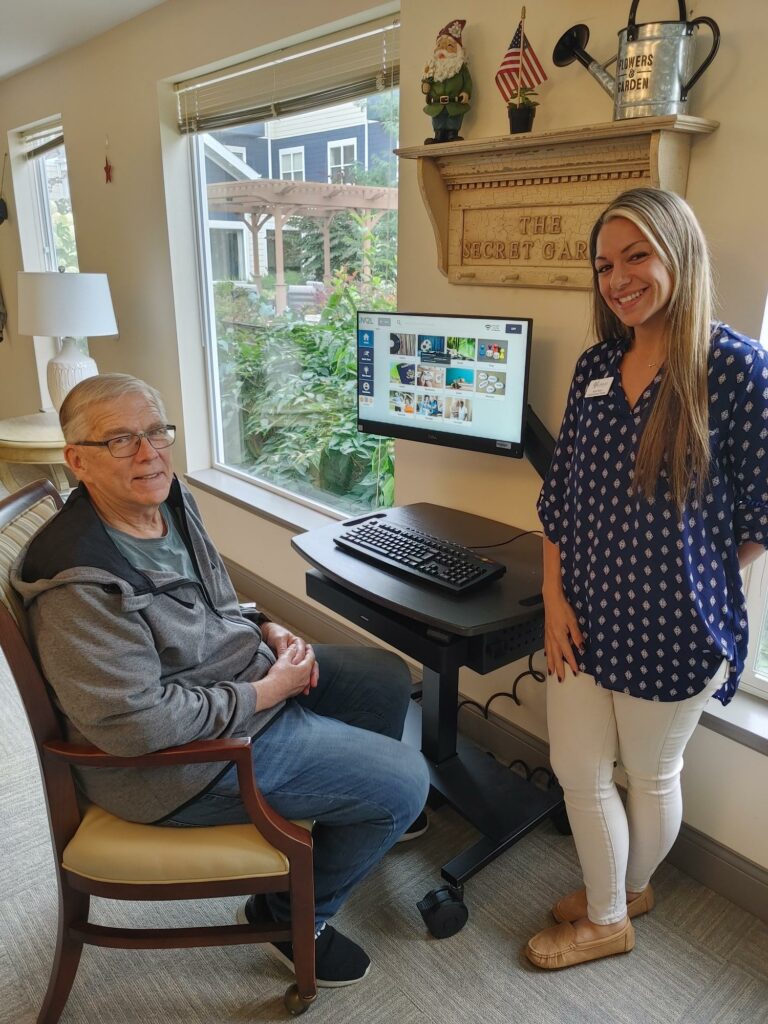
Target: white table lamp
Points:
(66, 306)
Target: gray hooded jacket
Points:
(140, 660)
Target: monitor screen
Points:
(460, 381)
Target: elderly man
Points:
(139, 632)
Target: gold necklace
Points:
(656, 362)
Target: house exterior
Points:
(337, 145)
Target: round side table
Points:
(33, 440)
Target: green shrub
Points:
(289, 394)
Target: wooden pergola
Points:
(267, 198)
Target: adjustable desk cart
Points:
(484, 629)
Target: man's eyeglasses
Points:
(125, 445)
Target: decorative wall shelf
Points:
(517, 210)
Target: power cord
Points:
(518, 765)
(501, 544)
(534, 673)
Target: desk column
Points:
(440, 697)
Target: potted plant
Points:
(521, 108)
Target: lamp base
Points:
(66, 369)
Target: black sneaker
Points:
(338, 960)
(416, 828)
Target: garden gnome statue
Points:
(446, 84)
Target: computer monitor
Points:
(459, 381)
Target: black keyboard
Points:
(402, 549)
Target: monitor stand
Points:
(538, 443)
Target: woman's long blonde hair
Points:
(677, 431)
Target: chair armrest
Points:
(249, 611)
(276, 829)
(199, 752)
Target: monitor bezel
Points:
(487, 445)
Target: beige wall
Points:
(139, 230)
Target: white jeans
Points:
(589, 729)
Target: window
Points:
(54, 226)
(342, 157)
(227, 251)
(292, 164)
(61, 247)
(282, 338)
(755, 678)
(45, 218)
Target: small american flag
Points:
(520, 64)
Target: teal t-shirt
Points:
(161, 554)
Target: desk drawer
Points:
(437, 650)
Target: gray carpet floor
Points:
(698, 959)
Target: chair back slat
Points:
(22, 514)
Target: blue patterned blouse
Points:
(658, 595)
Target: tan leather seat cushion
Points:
(109, 849)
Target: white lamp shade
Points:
(65, 305)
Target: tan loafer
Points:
(574, 906)
(558, 947)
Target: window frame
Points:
(240, 152)
(240, 228)
(756, 594)
(28, 146)
(340, 143)
(40, 214)
(43, 219)
(292, 151)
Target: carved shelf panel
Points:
(517, 210)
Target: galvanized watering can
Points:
(654, 65)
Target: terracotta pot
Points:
(521, 118)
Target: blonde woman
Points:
(656, 498)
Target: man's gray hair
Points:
(105, 387)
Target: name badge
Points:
(598, 387)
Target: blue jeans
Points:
(334, 756)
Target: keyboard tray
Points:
(410, 552)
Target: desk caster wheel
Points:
(444, 911)
(295, 1003)
(559, 819)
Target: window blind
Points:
(331, 69)
(42, 139)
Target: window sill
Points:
(745, 720)
(275, 508)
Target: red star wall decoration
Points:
(107, 171)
